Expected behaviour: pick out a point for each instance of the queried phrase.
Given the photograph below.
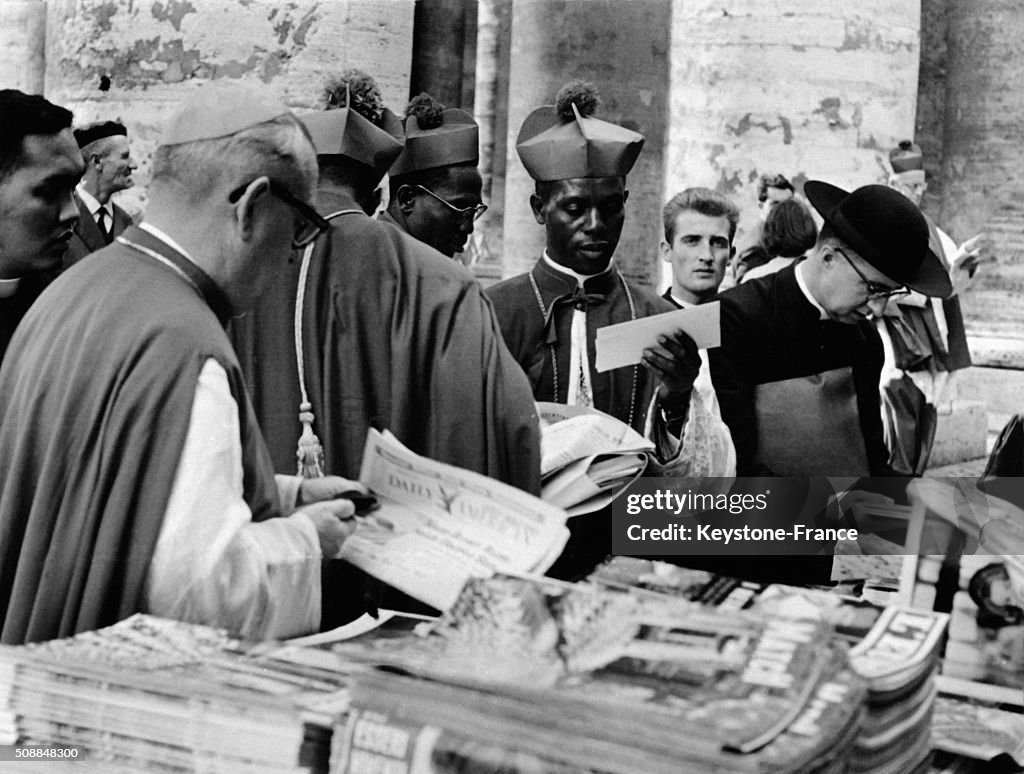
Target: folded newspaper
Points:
(587, 457)
(438, 525)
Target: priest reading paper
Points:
(133, 476)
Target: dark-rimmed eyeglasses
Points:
(876, 290)
(463, 215)
(313, 223)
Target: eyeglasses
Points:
(464, 215)
(313, 223)
(876, 290)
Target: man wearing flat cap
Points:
(394, 334)
(550, 316)
(133, 476)
(108, 169)
(797, 372)
(39, 167)
(434, 184)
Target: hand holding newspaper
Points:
(587, 457)
(439, 525)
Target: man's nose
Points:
(68, 210)
(594, 221)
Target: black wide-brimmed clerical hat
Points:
(887, 230)
(87, 135)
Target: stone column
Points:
(811, 90)
(621, 47)
(22, 45)
(494, 21)
(981, 167)
(136, 60)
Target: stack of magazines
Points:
(147, 694)
(894, 649)
(637, 681)
(899, 658)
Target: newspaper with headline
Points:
(438, 525)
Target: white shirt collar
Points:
(92, 203)
(162, 236)
(679, 302)
(802, 283)
(8, 287)
(580, 278)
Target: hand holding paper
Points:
(624, 344)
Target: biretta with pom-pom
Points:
(564, 141)
(344, 132)
(436, 137)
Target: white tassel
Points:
(310, 453)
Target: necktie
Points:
(101, 221)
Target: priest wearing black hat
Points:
(108, 170)
(434, 185)
(798, 368)
(394, 334)
(133, 476)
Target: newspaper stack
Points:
(899, 658)
(147, 694)
(639, 682)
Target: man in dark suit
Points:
(797, 371)
(108, 169)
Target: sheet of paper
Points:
(623, 344)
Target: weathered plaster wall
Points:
(136, 60)
(22, 45)
(811, 90)
(621, 46)
(981, 166)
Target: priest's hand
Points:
(334, 521)
(675, 363)
(315, 490)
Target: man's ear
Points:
(245, 207)
(95, 160)
(666, 251)
(537, 205)
(406, 197)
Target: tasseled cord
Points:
(310, 453)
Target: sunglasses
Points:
(464, 215)
(876, 290)
(313, 223)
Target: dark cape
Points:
(95, 401)
(771, 333)
(540, 339)
(87, 237)
(395, 336)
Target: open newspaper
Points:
(587, 457)
(438, 525)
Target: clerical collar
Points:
(580, 278)
(802, 284)
(162, 236)
(8, 287)
(92, 203)
(678, 301)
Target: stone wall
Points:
(22, 45)
(811, 90)
(135, 60)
